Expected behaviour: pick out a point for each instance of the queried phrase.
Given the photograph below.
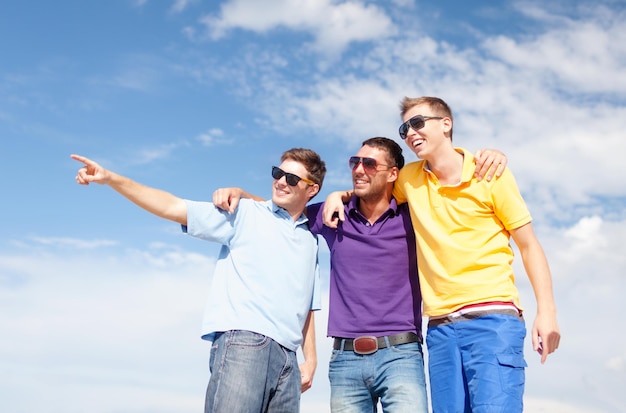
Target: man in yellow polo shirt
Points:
(463, 227)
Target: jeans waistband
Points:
(458, 316)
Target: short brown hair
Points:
(314, 165)
(437, 105)
(394, 151)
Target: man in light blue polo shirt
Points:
(265, 286)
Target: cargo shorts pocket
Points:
(512, 373)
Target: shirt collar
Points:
(353, 207)
(469, 165)
(283, 212)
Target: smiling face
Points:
(428, 140)
(293, 198)
(371, 185)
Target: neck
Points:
(372, 209)
(447, 167)
(293, 211)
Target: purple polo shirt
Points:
(374, 288)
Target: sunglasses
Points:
(291, 179)
(415, 123)
(369, 164)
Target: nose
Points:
(282, 180)
(410, 131)
(359, 169)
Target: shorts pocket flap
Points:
(512, 360)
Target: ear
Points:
(446, 124)
(393, 174)
(312, 190)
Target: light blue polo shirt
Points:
(266, 277)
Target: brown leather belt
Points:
(370, 344)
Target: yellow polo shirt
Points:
(462, 233)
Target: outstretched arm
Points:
(545, 334)
(155, 201)
(489, 162)
(307, 368)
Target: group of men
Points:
(436, 214)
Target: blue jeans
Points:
(477, 365)
(251, 373)
(393, 375)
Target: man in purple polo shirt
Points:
(375, 301)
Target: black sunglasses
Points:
(291, 179)
(415, 123)
(369, 164)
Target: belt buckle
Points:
(365, 345)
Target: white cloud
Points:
(74, 242)
(105, 332)
(537, 405)
(137, 78)
(181, 5)
(586, 261)
(137, 72)
(586, 233)
(177, 5)
(591, 246)
(214, 136)
(587, 54)
(334, 25)
(617, 363)
(159, 152)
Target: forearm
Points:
(346, 195)
(545, 332)
(156, 201)
(309, 350)
(536, 266)
(248, 195)
(538, 271)
(307, 369)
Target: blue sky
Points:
(101, 303)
